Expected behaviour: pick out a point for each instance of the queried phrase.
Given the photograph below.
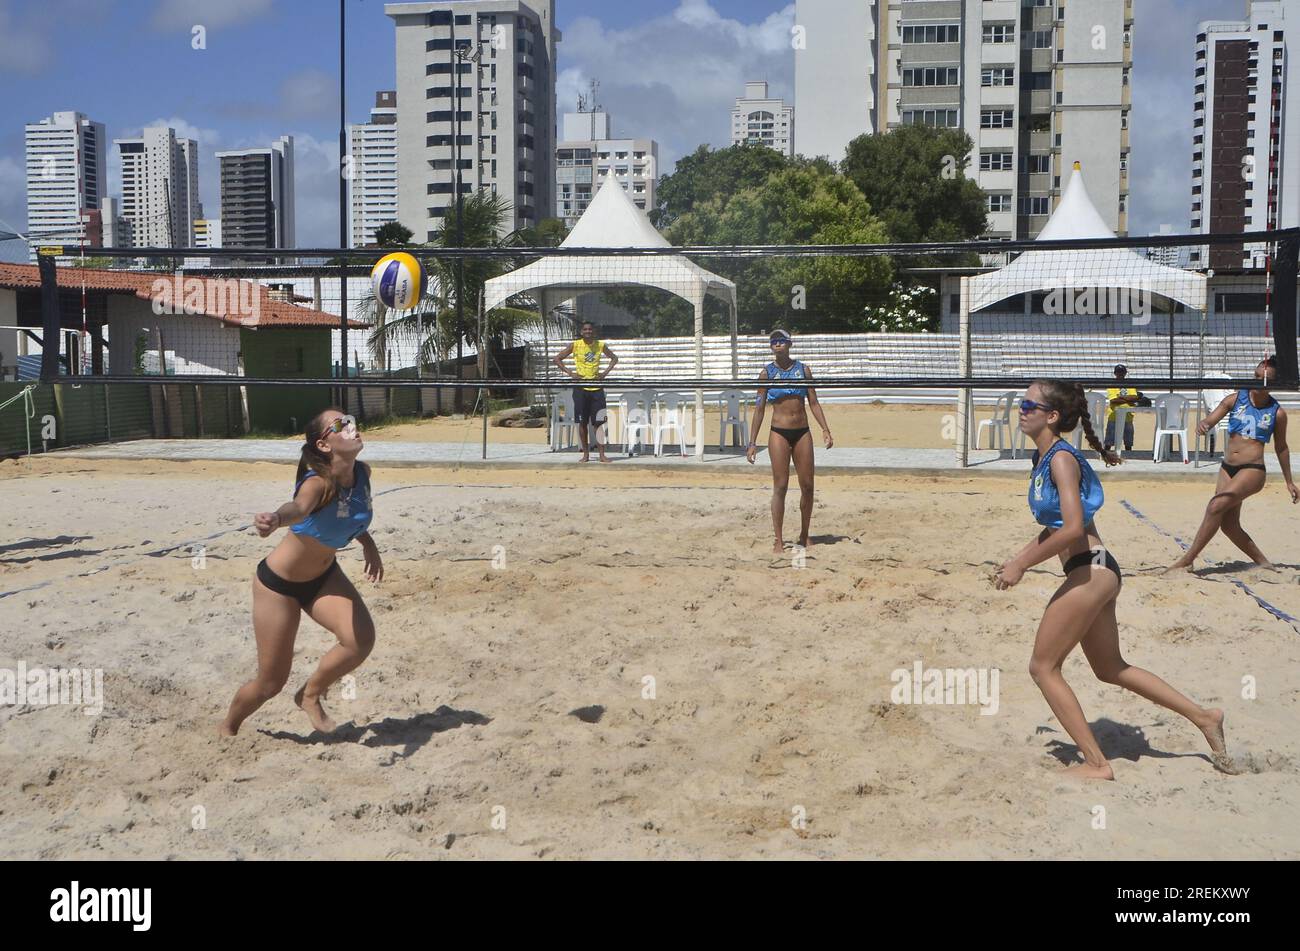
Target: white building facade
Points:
(160, 188)
(1036, 85)
(372, 171)
(66, 180)
(761, 119)
(588, 154)
(491, 108)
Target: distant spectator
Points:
(1120, 396)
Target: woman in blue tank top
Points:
(330, 509)
(1256, 417)
(1064, 497)
(790, 439)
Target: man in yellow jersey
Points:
(1120, 395)
(588, 401)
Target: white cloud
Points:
(316, 190)
(675, 78)
(211, 14)
(13, 208)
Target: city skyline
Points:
(291, 89)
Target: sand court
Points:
(602, 663)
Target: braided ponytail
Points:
(1070, 400)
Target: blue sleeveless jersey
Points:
(344, 518)
(1251, 421)
(1045, 500)
(795, 372)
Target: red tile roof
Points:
(146, 285)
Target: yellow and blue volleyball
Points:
(397, 281)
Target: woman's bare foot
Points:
(1212, 728)
(315, 712)
(803, 541)
(586, 457)
(778, 547)
(605, 458)
(1086, 771)
(1182, 564)
(227, 730)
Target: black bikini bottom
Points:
(792, 436)
(1233, 470)
(1090, 558)
(304, 592)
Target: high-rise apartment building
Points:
(257, 197)
(475, 86)
(1037, 85)
(372, 171)
(66, 178)
(1246, 130)
(160, 188)
(760, 119)
(588, 154)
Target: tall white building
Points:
(1246, 130)
(257, 197)
(835, 53)
(760, 119)
(497, 117)
(66, 179)
(160, 188)
(588, 154)
(1038, 86)
(372, 185)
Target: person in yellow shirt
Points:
(1120, 396)
(588, 401)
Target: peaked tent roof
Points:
(1077, 217)
(610, 221)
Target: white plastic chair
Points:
(672, 418)
(1097, 406)
(562, 421)
(1171, 420)
(732, 404)
(637, 409)
(1210, 400)
(999, 423)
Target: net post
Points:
(963, 371)
(735, 340)
(50, 319)
(1284, 312)
(699, 375)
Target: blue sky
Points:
(669, 70)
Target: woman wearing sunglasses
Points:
(1256, 417)
(790, 437)
(330, 509)
(1064, 496)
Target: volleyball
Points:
(397, 281)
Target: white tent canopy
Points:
(1077, 217)
(612, 221)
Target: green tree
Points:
(914, 177)
(393, 234)
(808, 205)
(707, 174)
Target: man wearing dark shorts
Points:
(588, 401)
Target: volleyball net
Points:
(243, 340)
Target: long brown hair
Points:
(315, 460)
(1071, 402)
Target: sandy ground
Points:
(505, 711)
